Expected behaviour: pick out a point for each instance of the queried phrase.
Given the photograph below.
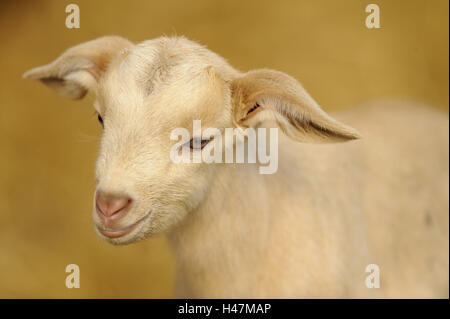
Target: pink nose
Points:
(109, 205)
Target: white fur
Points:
(307, 231)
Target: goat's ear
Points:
(262, 95)
(79, 69)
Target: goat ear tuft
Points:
(263, 95)
(78, 69)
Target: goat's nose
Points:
(111, 204)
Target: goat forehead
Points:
(157, 62)
(178, 96)
(166, 79)
(146, 67)
(151, 66)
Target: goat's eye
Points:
(100, 119)
(253, 108)
(196, 144)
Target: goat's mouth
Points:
(116, 233)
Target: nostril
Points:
(111, 204)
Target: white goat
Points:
(310, 229)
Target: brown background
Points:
(48, 144)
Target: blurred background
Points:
(48, 145)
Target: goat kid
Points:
(310, 229)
